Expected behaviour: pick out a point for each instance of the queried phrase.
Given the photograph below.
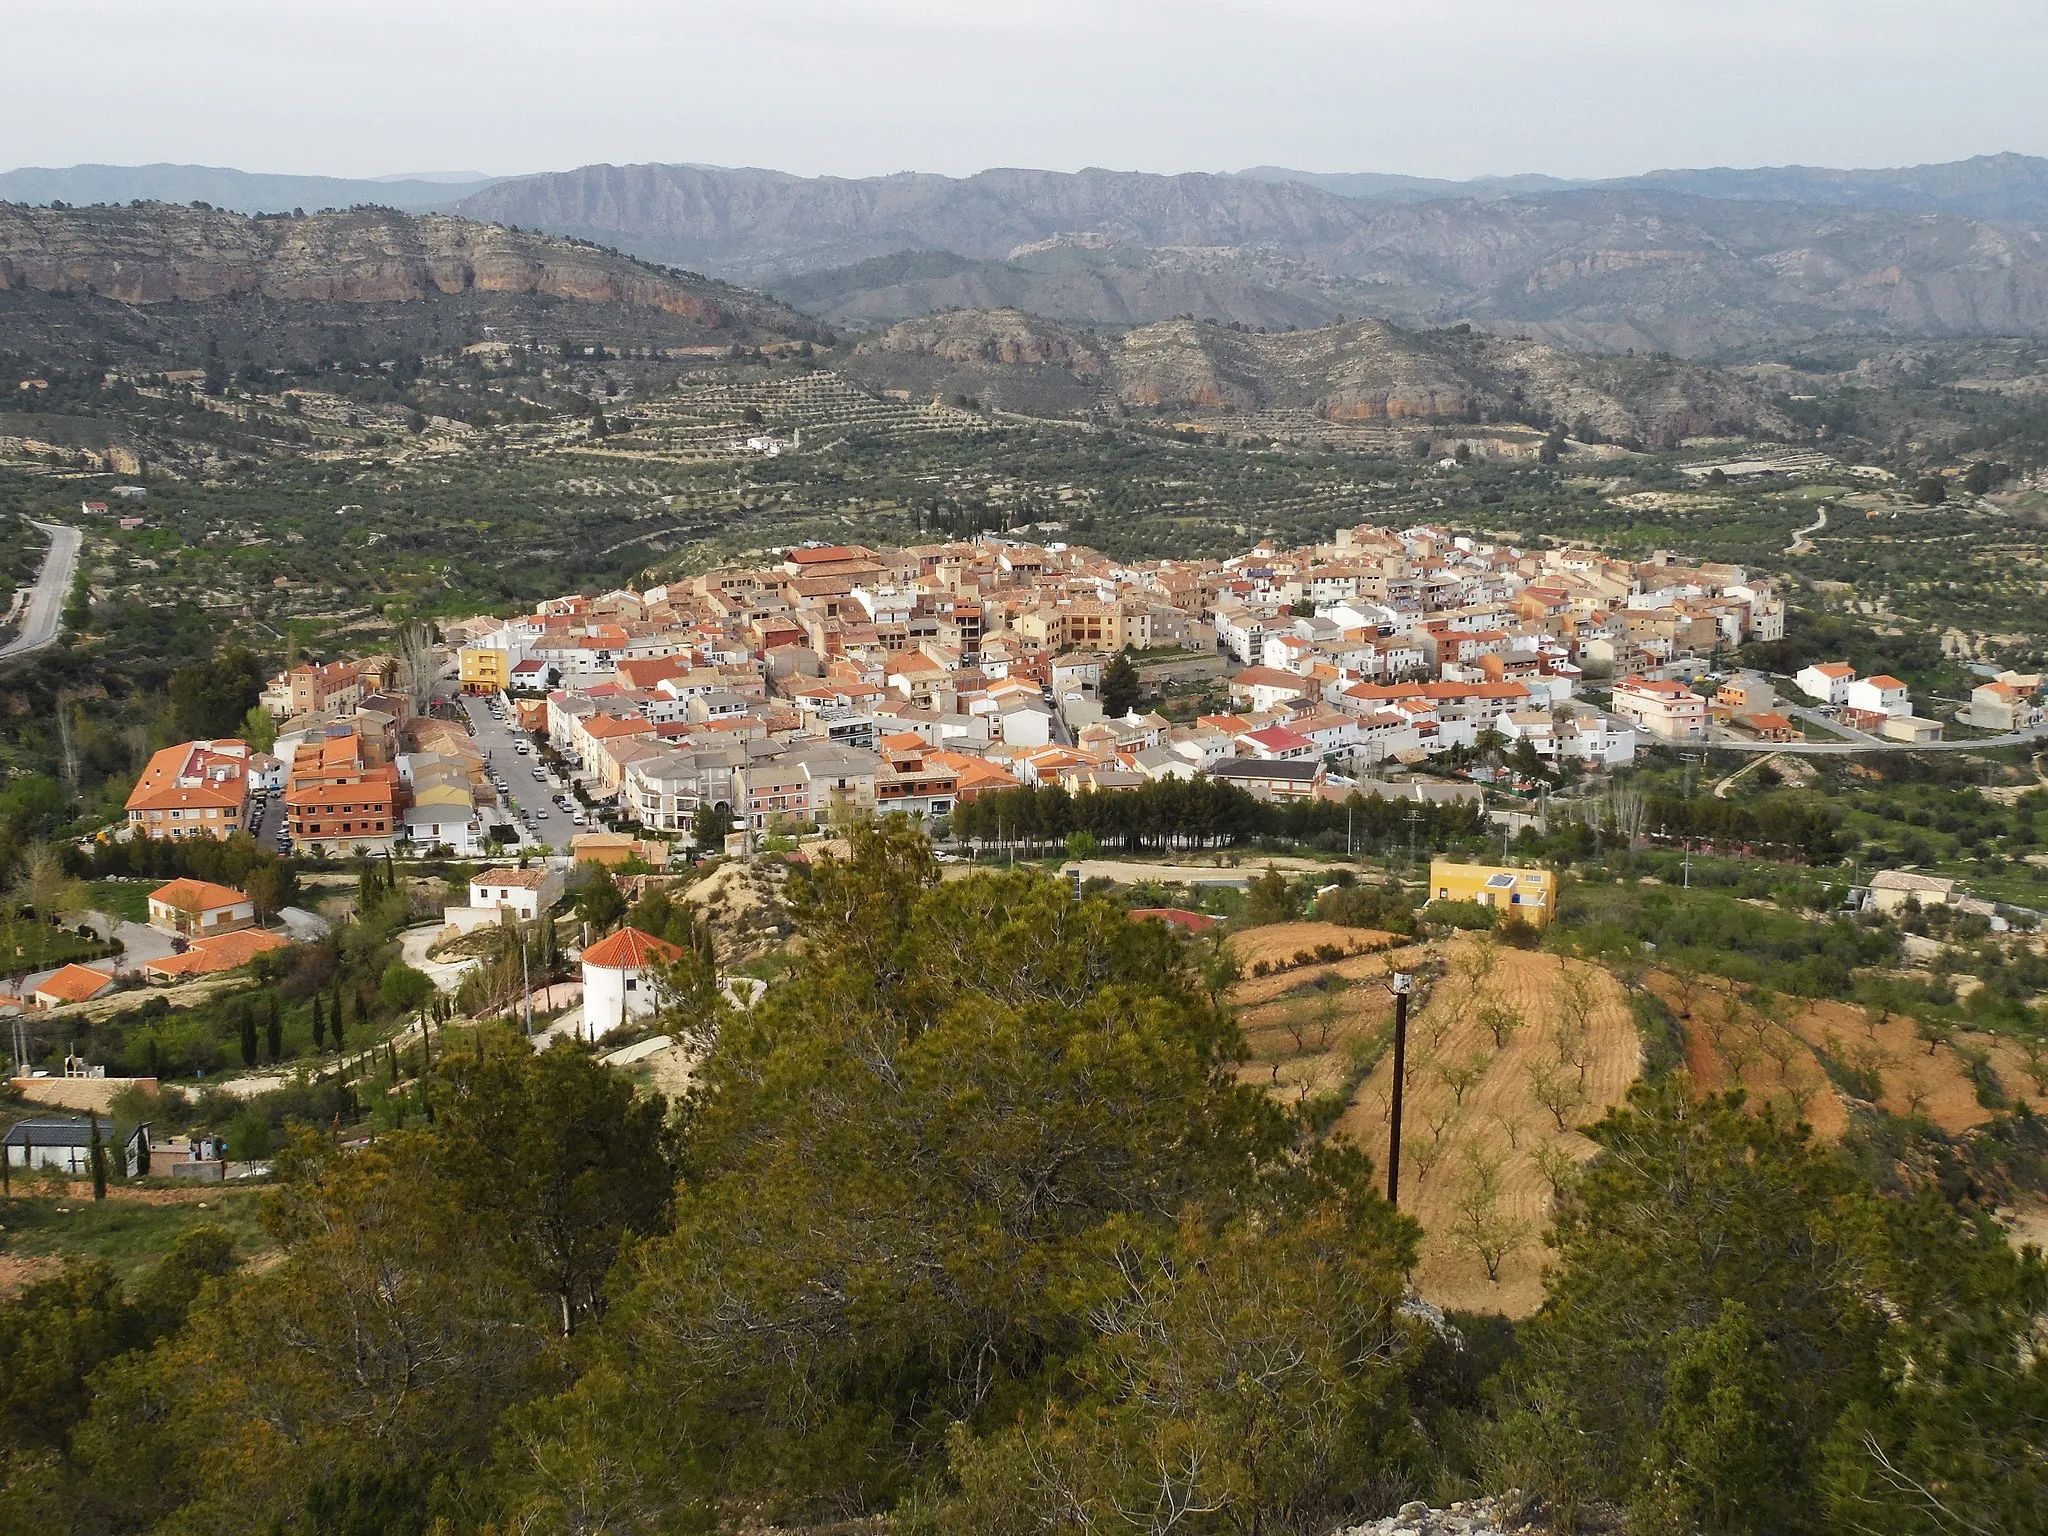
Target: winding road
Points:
(46, 603)
(1801, 544)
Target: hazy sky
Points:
(860, 87)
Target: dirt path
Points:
(1801, 544)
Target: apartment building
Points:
(195, 789)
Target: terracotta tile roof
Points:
(1175, 917)
(74, 984)
(629, 949)
(223, 952)
(159, 788)
(197, 895)
(520, 879)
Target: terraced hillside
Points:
(1344, 384)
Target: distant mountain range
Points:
(2004, 188)
(235, 191)
(1701, 263)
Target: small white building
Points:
(64, 1143)
(526, 893)
(199, 907)
(1891, 889)
(620, 979)
(1879, 695)
(1826, 682)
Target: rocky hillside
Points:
(156, 253)
(2007, 188)
(1610, 267)
(751, 224)
(1359, 371)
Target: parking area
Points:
(528, 794)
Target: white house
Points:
(1880, 695)
(197, 907)
(1597, 738)
(619, 979)
(1826, 681)
(64, 1142)
(526, 893)
(1026, 725)
(1240, 631)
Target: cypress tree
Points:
(248, 1023)
(99, 1162)
(274, 1030)
(340, 1021)
(319, 1026)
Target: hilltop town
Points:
(847, 678)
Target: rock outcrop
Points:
(1004, 336)
(157, 252)
(1480, 1517)
(1361, 371)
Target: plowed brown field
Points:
(1278, 943)
(1472, 1119)
(1778, 1058)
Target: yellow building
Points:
(485, 669)
(1531, 894)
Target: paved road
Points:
(1860, 741)
(1873, 744)
(46, 604)
(551, 823)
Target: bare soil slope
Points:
(1503, 1045)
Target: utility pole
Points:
(1399, 982)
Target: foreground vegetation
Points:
(972, 1222)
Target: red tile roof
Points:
(223, 952)
(74, 984)
(1176, 917)
(630, 950)
(197, 895)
